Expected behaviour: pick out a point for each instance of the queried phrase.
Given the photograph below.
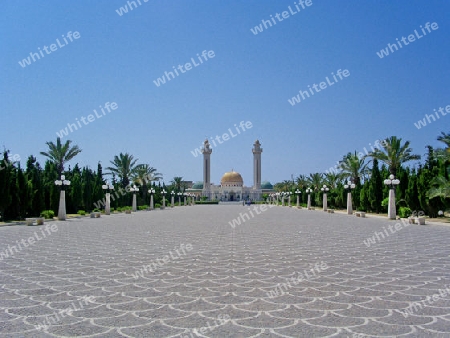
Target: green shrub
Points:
(143, 207)
(48, 214)
(81, 212)
(404, 212)
(96, 210)
(157, 205)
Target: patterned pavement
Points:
(186, 272)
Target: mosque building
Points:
(231, 188)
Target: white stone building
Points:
(231, 186)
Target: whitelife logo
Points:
(53, 47)
(225, 136)
(129, 6)
(411, 38)
(90, 118)
(187, 66)
(423, 123)
(27, 242)
(160, 262)
(285, 14)
(323, 85)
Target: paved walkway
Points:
(186, 272)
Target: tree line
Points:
(426, 188)
(27, 192)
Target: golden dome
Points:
(232, 177)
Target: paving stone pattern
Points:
(80, 280)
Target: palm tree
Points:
(440, 184)
(394, 154)
(301, 181)
(177, 183)
(60, 154)
(441, 188)
(444, 153)
(286, 185)
(315, 180)
(144, 174)
(445, 138)
(353, 167)
(332, 179)
(124, 167)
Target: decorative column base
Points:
(392, 212)
(349, 204)
(134, 207)
(108, 204)
(62, 206)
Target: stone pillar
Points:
(349, 204)
(206, 151)
(108, 204)
(298, 200)
(151, 202)
(173, 201)
(62, 206)
(134, 206)
(392, 212)
(184, 200)
(325, 201)
(309, 201)
(164, 202)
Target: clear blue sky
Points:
(117, 58)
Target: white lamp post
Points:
(278, 197)
(325, 189)
(392, 182)
(172, 199)
(62, 197)
(289, 198)
(309, 191)
(134, 189)
(349, 186)
(298, 192)
(108, 187)
(163, 192)
(179, 198)
(185, 196)
(151, 192)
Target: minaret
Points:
(206, 151)
(257, 150)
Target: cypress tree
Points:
(6, 184)
(375, 188)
